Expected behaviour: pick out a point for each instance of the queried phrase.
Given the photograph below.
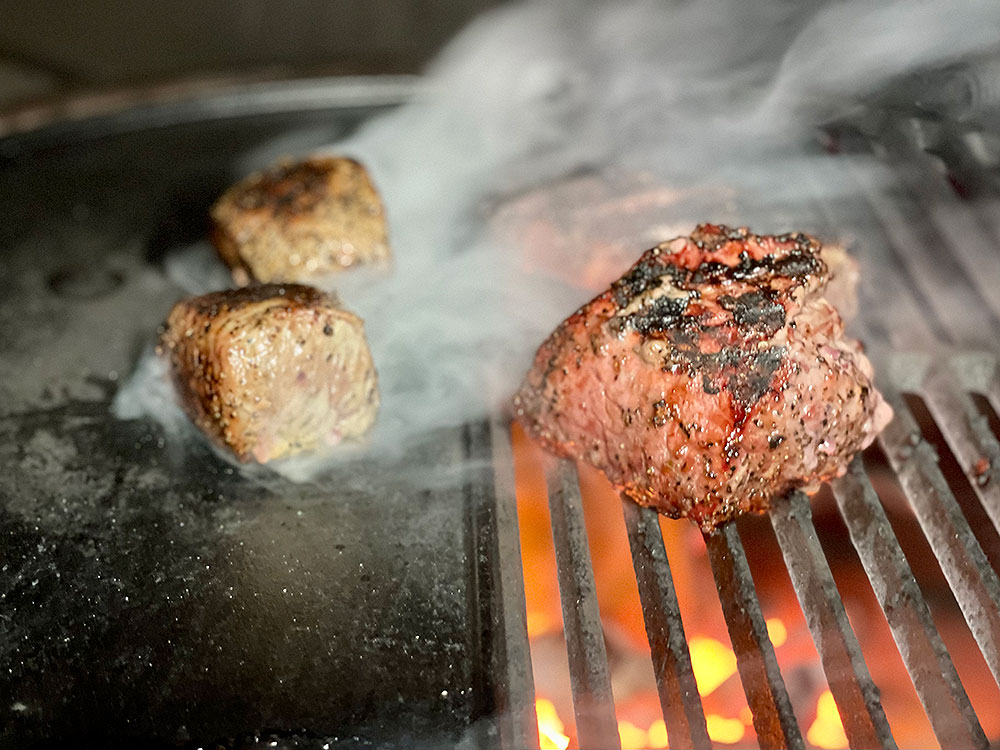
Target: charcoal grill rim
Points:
(82, 116)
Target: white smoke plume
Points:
(546, 111)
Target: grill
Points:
(63, 662)
(948, 260)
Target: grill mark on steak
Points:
(661, 317)
(288, 188)
(759, 310)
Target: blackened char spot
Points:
(642, 276)
(661, 315)
(746, 374)
(755, 310)
(660, 413)
(799, 264)
(748, 384)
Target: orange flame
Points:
(713, 663)
(777, 631)
(827, 731)
(540, 623)
(550, 727)
(656, 737)
(631, 735)
(721, 729)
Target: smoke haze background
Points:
(715, 103)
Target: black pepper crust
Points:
(297, 295)
(796, 265)
(754, 291)
(291, 188)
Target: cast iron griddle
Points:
(149, 594)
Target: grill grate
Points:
(679, 698)
(937, 683)
(936, 306)
(863, 718)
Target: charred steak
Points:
(710, 378)
(270, 371)
(301, 221)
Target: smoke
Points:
(558, 140)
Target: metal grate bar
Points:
(904, 322)
(943, 285)
(959, 228)
(679, 698)
(518, 723)
(920, 645)
(987, 209)
(593, 703)
(972, 580)
(773, 718)
(969, 435)
(850, 682)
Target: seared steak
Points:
(708, 379)
(269, 371)
(301, 221)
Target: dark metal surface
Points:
(679, 698)
(767, 696)
(593, 702)
(149, 593)
(920, 645)
(968, 434)
(850, 682)
(518, 723)
(973, 581)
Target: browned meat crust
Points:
(269, 371)
(709, 378)
(301, 221)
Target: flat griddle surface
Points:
(149, 594)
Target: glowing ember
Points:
(776, 631)
(540, 623)
(550, 727)
(827, 731)
(656, 737)
(631, 735)
(713, 663)
(721, 729)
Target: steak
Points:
(301, 221)
(709, 379)
(270, 371)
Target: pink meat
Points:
(709, 379)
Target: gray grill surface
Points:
(152, 596)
